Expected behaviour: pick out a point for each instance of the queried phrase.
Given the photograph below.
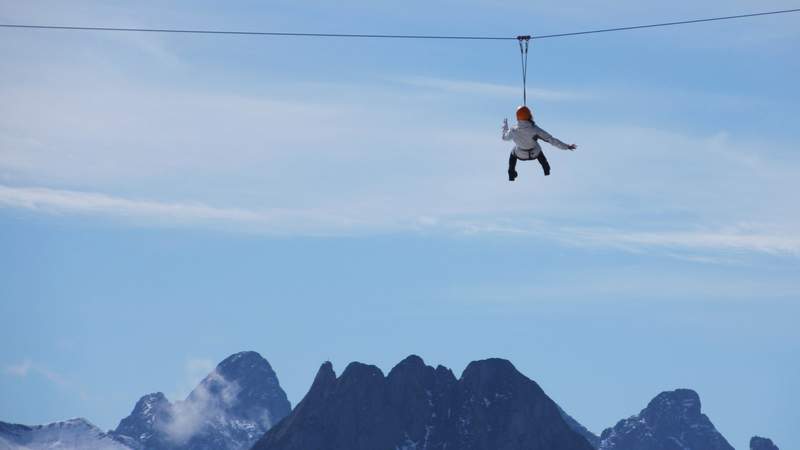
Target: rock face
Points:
(140, 428)
(671, 421)
(492, 406)
(580, 429)
(71, 434)
(229, 410)
(760, 443)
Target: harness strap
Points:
(530, 151)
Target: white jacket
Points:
(524, 136)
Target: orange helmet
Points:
(523, 113)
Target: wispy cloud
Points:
(145, 212)
(28, 367)
(741, 238)
(208, 403)
(195, 369)
(21, 369)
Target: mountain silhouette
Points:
(671, 421)
(760, 443)
(492, 406)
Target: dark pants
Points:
(512, 163)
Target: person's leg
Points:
(543, 161)
(512, 167)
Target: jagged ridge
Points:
(70, 434)
(492, 406)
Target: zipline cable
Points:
(665, 24)
(258, 33)
(392, 36)
(523, 54)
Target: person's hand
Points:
(573, 146)
(505, 124)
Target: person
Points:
(526, 137)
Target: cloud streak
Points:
(195, 370)
(27, 368)
(145, 212)
(20, 369)
(742, 238)
(739, 239)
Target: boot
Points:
(512, 167)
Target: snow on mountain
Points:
(492, 406)
(140, 428)
(229, 410)
(68, 435)
(672, 420)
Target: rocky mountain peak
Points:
(245, 365)
(325, 377)
(490, 368)
(413, 365)
(681, 404)
(230, 408)
(140, 425)
(673, 419)
(495, 375)
(357, 370)
(760, 443)
(78, 422)
(151, 404)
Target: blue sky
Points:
(168, 200)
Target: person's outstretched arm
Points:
(547, 137)
(507, 134)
